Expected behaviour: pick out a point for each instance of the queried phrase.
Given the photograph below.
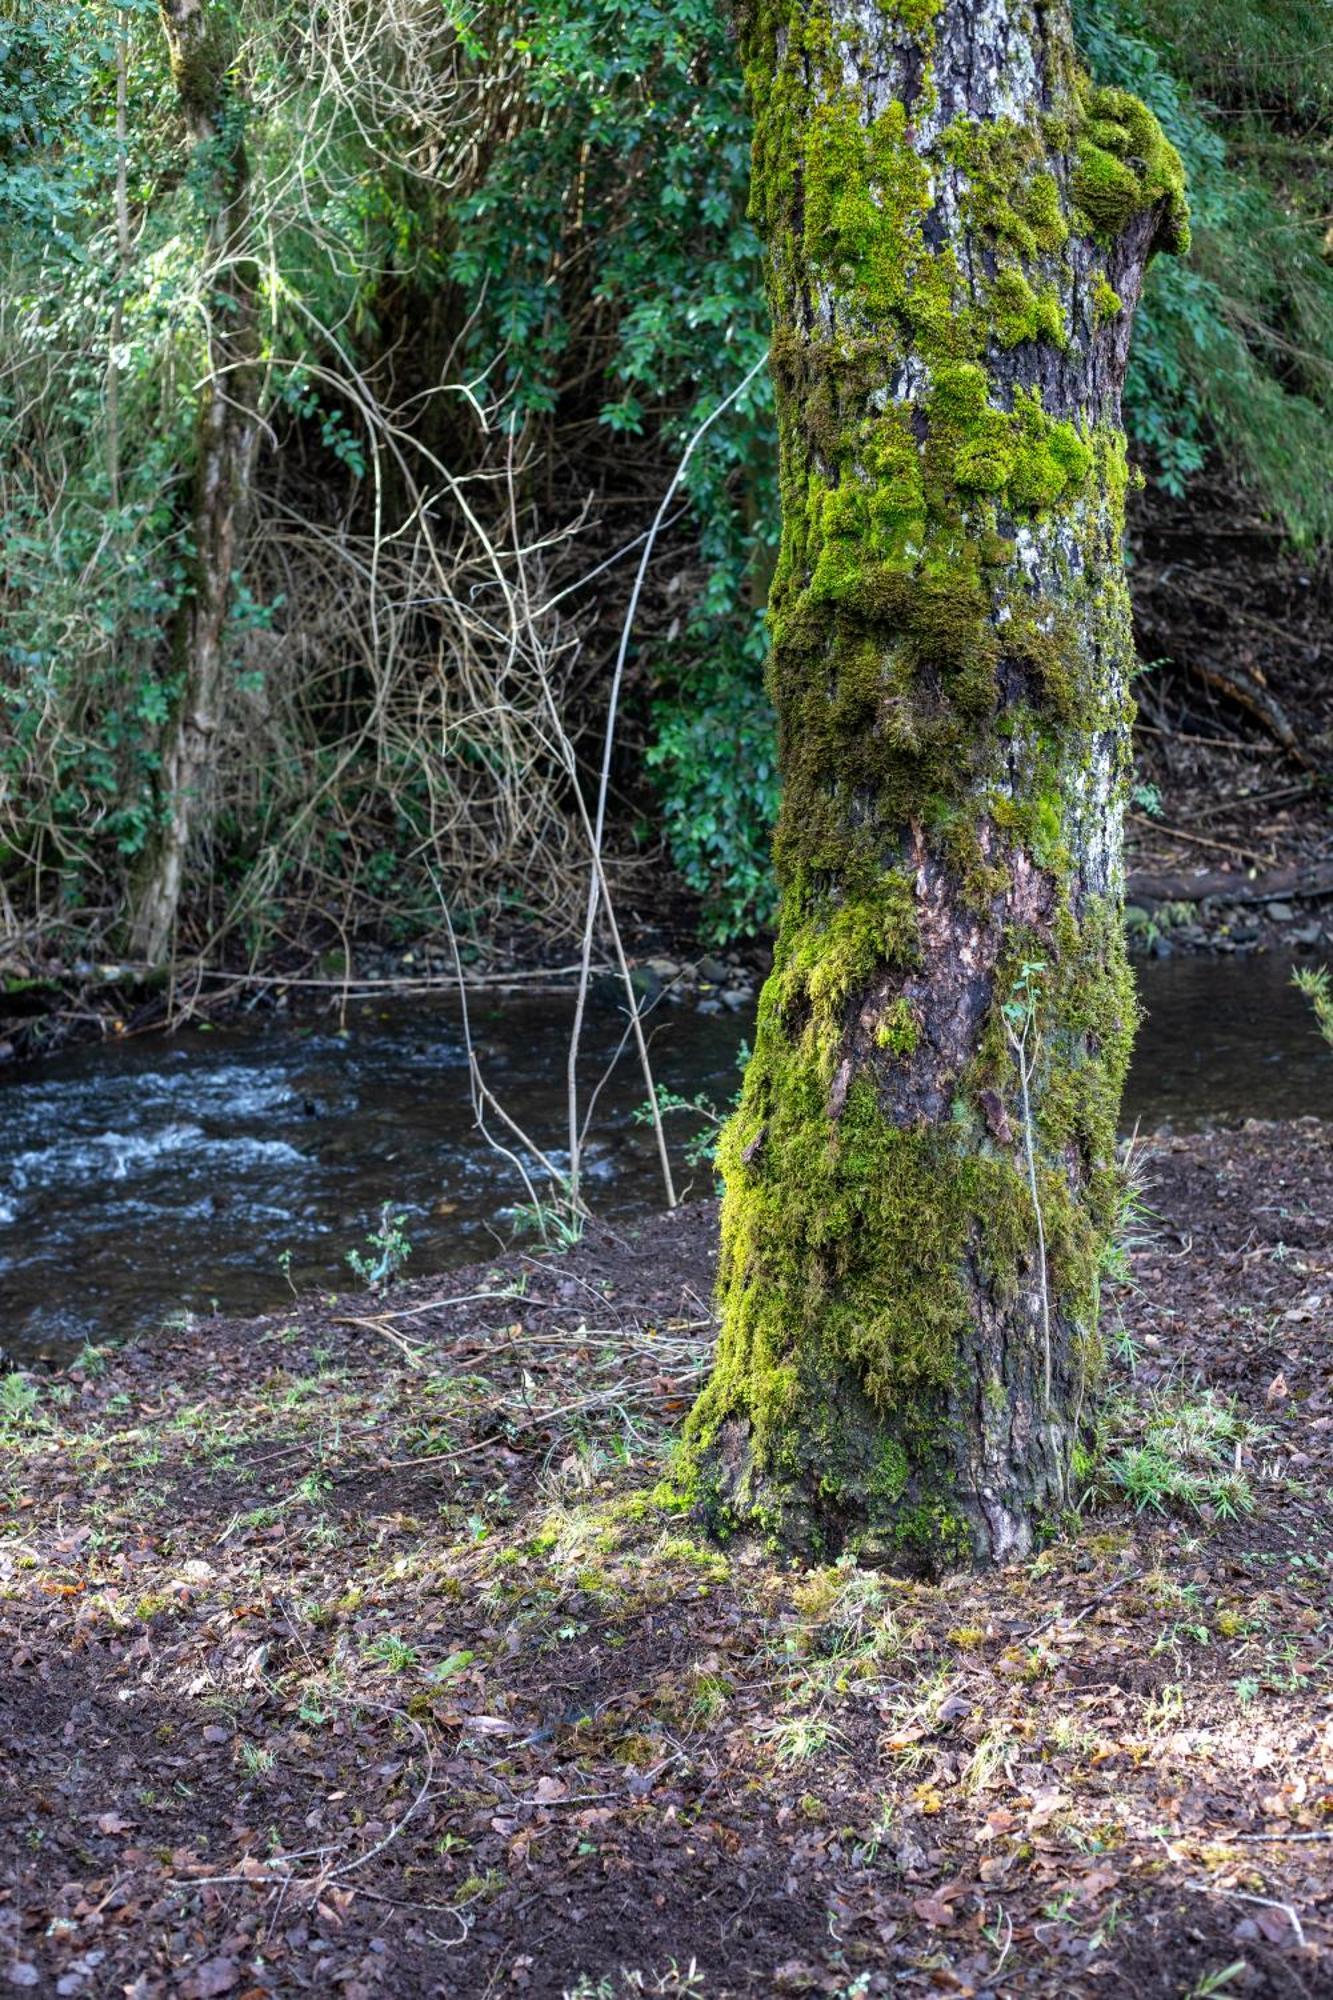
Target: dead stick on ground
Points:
(1198, 840)
(410, 1353)
(1245, 1896)
(1058, 1617)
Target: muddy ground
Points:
(360, 1650)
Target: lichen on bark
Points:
(957, 226)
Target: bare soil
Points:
(359, 1649)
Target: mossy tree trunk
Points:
(201, 61)
(921, 1178)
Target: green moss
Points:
(1028, 460)
(1106, 302)
(933, 1537)
(843, 1246)
(1127, 164)
(1019, 313)
(917, 16)
(823, 962)
(893, 1471)
(1012, 196)
(898, 1031)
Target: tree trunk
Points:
(225, 442)
(921, 1179)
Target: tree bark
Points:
(921, 1178)
(225, 442)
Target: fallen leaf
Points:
(1095, 1883)
(1276, 1926)
(214, 1976)
(1045, 1805)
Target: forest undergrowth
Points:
(364, 1646)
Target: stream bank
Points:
(200, 1172)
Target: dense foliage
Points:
(504, 270)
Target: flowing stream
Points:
(188, 1172)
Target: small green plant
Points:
(559, 1222)
(1178, 1451)
(392, 1651)
(19, 1396)
(1211, 1983)
(254, 1759)
(1312, 981)
(797, 1738)
(391, 1251)
(676, 1983)
(701, 1146)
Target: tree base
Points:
(889, 1516)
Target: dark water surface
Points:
(173, 1172)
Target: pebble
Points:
(1281, 913)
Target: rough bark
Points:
(957, 225)
(225, 442)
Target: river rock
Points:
(1281, 913)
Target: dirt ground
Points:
(360, 1649)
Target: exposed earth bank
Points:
(361, 1649)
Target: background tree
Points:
(493, 238)
(202, 66)
(921, 1179)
